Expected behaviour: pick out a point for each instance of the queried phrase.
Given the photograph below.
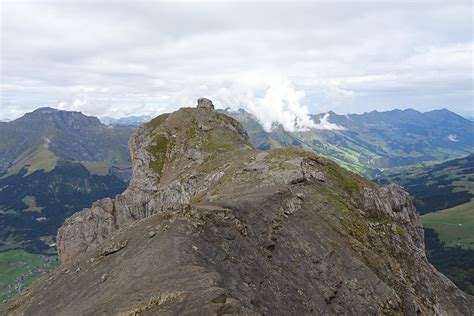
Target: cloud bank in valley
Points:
(280, 103)
(144, 58)
(324, 124)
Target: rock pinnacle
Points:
(204, 103)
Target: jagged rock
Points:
(150, 190)
(206, 104)
(114, 247)
(240, 231)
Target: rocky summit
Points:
(209, 225)
(204, 103)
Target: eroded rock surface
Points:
(209, 225)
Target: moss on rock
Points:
(158, 151)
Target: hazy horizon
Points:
(222, 108)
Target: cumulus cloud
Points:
(453, 138)
(76, 104)
(113, 58)
(324, 124)
(281, 104)
(268, 95)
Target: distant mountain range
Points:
(40, 138)
(129, 120)
(372, 141)
(53, 163)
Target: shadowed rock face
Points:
(210, 225)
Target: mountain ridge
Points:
(374, 140)
(60, 134)
(211, 225)
(126, 120)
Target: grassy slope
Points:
(30, 200)
(40, 159)
(455, 225)
(97, 168)
(10, 243)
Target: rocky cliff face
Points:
(210, 225)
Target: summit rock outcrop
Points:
(204, 103)
(209, 225)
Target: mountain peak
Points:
(45, 110)
(126, 120)
(203, 103)
(60, 134)
(410, 110)
(61, 118)
(442, 111)
(190, 134)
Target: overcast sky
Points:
(279, 60)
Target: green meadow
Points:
(18, 269)
(454, 225)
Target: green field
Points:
(41, 158)
(455, 225)
(30, 201)
(7, 212)
(18, 269)
(97, 168)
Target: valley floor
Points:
(18, 269)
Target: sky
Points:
(279, 60)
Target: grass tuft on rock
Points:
(158, 151)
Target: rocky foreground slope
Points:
(209, 225)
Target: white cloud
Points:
(453, 138)
(267, 94)
(324, 124)
(76, 104)
(112, 58)
(279, 103)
